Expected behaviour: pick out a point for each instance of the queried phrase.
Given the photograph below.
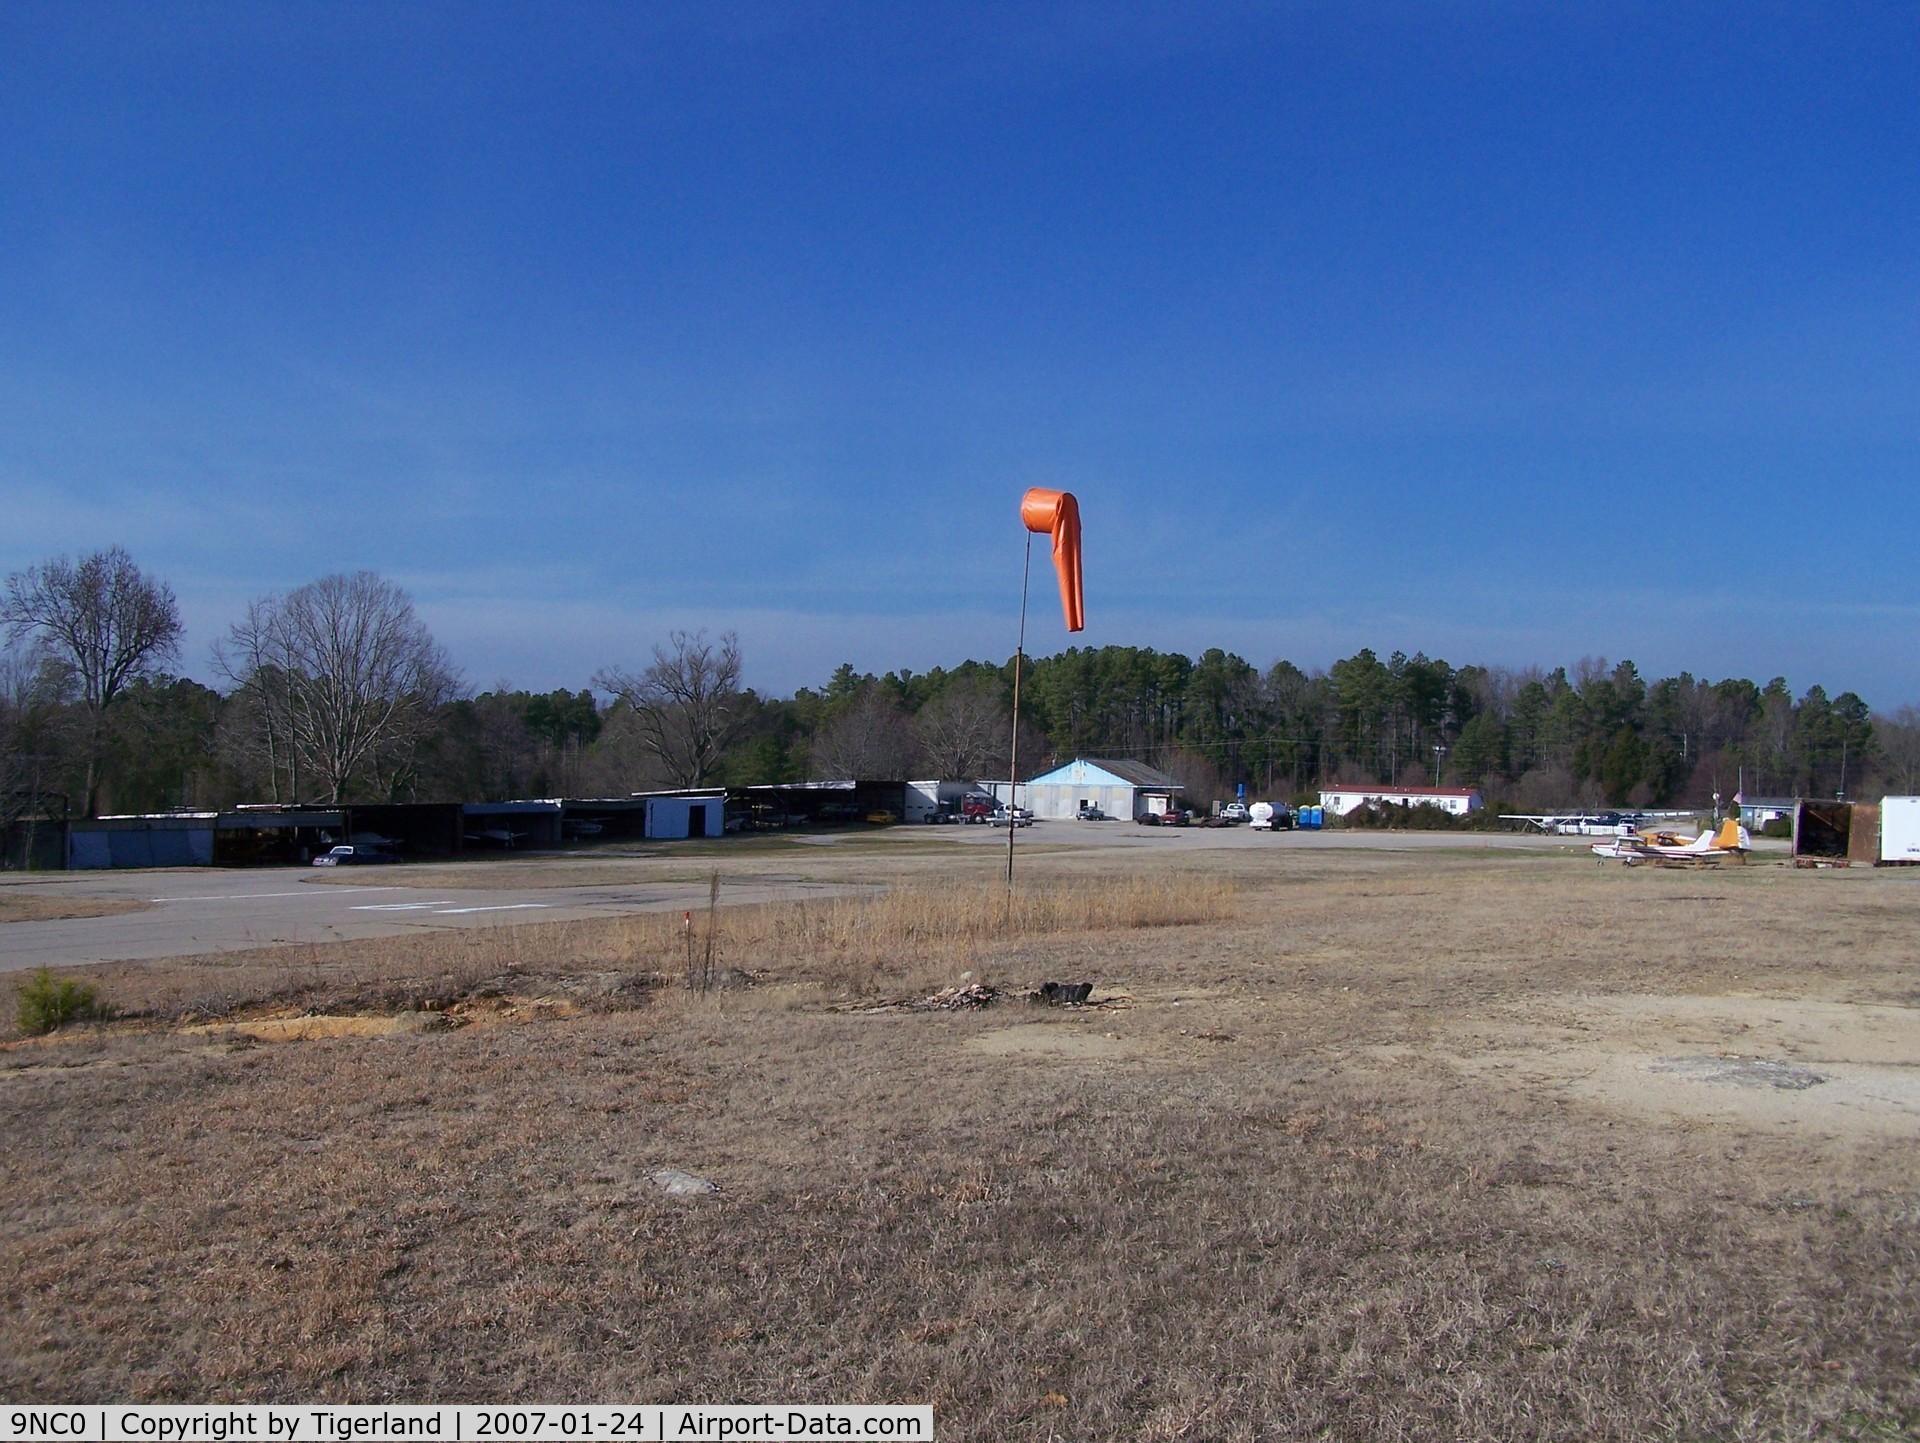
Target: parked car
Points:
(1234, 812)
(356, 855)
(1018, 817)
(1090, 813)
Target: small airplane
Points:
(1586, 824)
(498, 834)
(1575, 824)
(1730, 843)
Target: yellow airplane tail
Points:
(1728, 839)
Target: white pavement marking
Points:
(399, 906)
(250, 896)
(501, 907)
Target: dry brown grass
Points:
(921, 927)
(1274, 1197)
(915, 930)
(18, 906)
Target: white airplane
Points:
(1730, 844)
(1590, 824)
(498, 834)
(1576, 824)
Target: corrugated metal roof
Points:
(1081, 772)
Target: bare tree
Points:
(254, 656)
(1776, 736)
(687, 705)
(32, 687)
(106, 620)
(344, 676)
(963, 732)
(869, 739)
(1899, 739)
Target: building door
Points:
(697, 819)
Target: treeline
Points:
(337, 691)
(1592, 734)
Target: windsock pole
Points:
(1058, 514)
(1013, 747)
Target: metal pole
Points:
(1013, 749)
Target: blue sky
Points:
(1510, 333)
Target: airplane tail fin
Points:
(1732, 837)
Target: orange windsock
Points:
(1057, 513)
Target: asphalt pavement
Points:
(194, 910)
(190, 911)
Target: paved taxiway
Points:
(194, 911)
(191, 911)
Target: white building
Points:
(1123, 789)
(1458, 800)
(675, 816)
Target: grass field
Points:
(1434, 1145)
(20, 905)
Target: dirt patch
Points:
(1060, 1041)
(1741, 1072)
(1831, 1069)
(315, 1028)
(490, 1007)
(310, 1027)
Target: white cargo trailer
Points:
(1900, 829)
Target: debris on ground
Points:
(976, 996)
(675, 1183)
(970, 997)
(1062, 994)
